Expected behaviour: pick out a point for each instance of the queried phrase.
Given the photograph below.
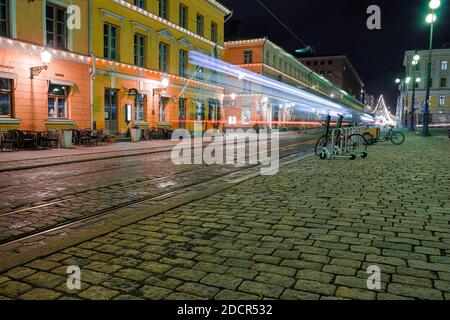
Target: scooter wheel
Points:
(353, 157)
(323, 156)
(364, 155)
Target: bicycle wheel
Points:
(370, 139)
(356, 144)
(397, 138)
(321, 143)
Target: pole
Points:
(426, 114)
(411, 126)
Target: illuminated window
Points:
(444, 65)
(57, 101)
(6, 86)
(139, 107)
(441, 101)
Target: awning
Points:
(8, 75)
(165, 95)
(62, 82)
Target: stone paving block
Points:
(263, 267)
(356, 294)
(19, 273)
(261, 289)
(415, 281)
(315, 276)
(294, 295)
(339, 270)
(228, 295)
(43, 265)
(40, 294)
(132, 274)
(45, 279)
(98, 293)
(221, 281)
(275, 279)
(211, 267)
(13, 289)
(198, 289)
(155, 293)
(315, 287)
(415, 292)
(186, 274)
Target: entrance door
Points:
(182, 113)
(111, 123)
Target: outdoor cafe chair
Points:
(10, 138)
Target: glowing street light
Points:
(46, 58)
(434, 4)
(165, 83)
(431, 18)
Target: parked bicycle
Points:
(395, 137)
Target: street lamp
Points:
(431, 19)
(415, 62)
(46, 58)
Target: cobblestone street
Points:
(307, 233)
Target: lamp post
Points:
(403, 87)
(431, 19)
(415, 62)
(46, 58)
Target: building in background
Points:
(143, 77)
(439, 86)
(44, 68)
(339, 70)
(250, 105)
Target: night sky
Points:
(339, 27)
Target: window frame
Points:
(443, 82)
(58, 98)
(140, 107)
(108, 47)
(442, 99)
(7, 19)
(248, 56)
(10, 93)
(163, 11)
(200, 25)
(55, 9)
(140, 60)
(142, 2)
(183, 64)
(214, 32)
(444, 63)
(164, 65)
(183, 20)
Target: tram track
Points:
(101, 213)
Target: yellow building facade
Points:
(140, 60)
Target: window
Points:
(267, 57)
(163, 57)
(322, 63)
(246, 115)
(139, 3)
(56, 31)
(139, 50)
(183, 16)
(110, 41)
(6, 86)
(330, 62)
(444, 65)
(443, 82)
(248, 56)
(214, 32)
(139, 107)
(164, 9)
(4, 18)
(162, 115)
(315, 63)
(183, 65)
(200, 25)
(441, 101)
(214, 76)
(308, 63)
(247, 86)
(57, 101)
(417, 67)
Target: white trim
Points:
(110, 14)
(185, 42)
(137, 25)
(8, 75)
(59, 82)
(166, 34)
